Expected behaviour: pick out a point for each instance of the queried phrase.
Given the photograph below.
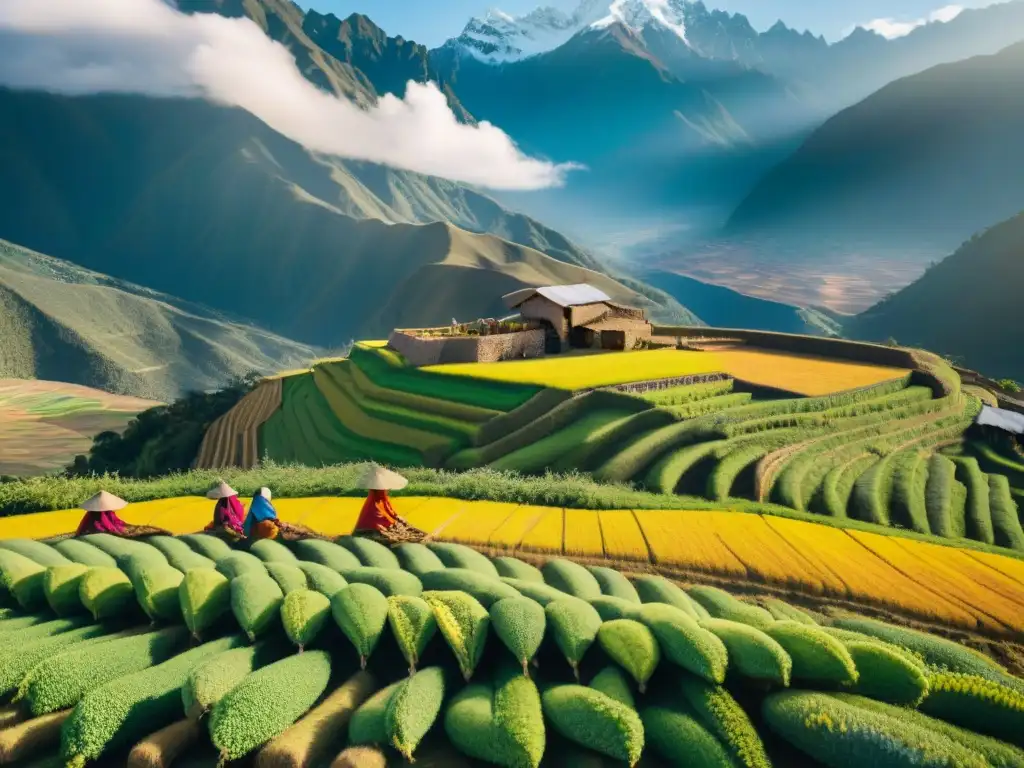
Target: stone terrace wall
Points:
(419, 351)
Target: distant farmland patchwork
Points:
(894, 450)
(45, 424)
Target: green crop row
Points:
(518, 418)
(387, 369)
(688, 394)
(979, 509)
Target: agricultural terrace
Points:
(971, 589)
(183, 651)
(45, 424)
(799, 374)
(899, 454)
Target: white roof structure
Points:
(562, 295)
(1009, 421)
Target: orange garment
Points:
(265, 529)
(377, 513)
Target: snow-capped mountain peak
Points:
(500, 37)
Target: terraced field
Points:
(972, 589)
(180, 651)
(45, 424)
(898, 451)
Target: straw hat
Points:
(379, 479)
(104, 502)
(222, 491)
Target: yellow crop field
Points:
(802, 374)
(958, 587)
(590, 369)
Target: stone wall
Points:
(419, 351)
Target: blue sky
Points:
(433, 21)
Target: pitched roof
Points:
(562, 295)
(1009, 421)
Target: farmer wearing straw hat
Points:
(262, 522)
(101, 517)
(378, 518)
(229, 514)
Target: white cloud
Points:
(892, 28)
(146, 46)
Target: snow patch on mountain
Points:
(500, 37)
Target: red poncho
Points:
(377, 513)
(100, 522)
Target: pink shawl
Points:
(100, 522)
(229, 513)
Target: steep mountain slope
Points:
(936, 156)
(968, 305)
(210, 205)
(61, 322)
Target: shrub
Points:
(614, 584)
(936, 651)
(303, 614)
(632, 646)
(681, 740)
(464, 623)
(886, 675)
(413, 625)
(595, 720)
(412, 710)
(23, 579)
(978, 704)
(206, 545)
(718, 711)
(417, 559)
(106, 593)
(721, 605)
(205, 596)
(500, 721)
(541, 593)
(361, 611)
(266, 702)
(157, 590)
(78, 551)
(370, 552)
(519, 623)
(270, 551)
(323, 579)
(326, 553)
(461, 556)
(127, 709)
(62, 680)
(369, 722)
(487, 589)
(615, 608)
(612, 682)
(237, 563)
(60, 586)
(17, 660)
(256, 602)
(998, 753)
(752, 653)
(208, 681)
(514, 568)
(782, 611)
(316, 736)
(388, 581)
(574, 626)
(816, 656)
(290, 578)
(571, 578)
(179, 554)
(685, 642)
(837, 733)
(658, 589)
(38, 552)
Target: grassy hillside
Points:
(235, 216)
(61, 322)
(933, 157)
(967, 306)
